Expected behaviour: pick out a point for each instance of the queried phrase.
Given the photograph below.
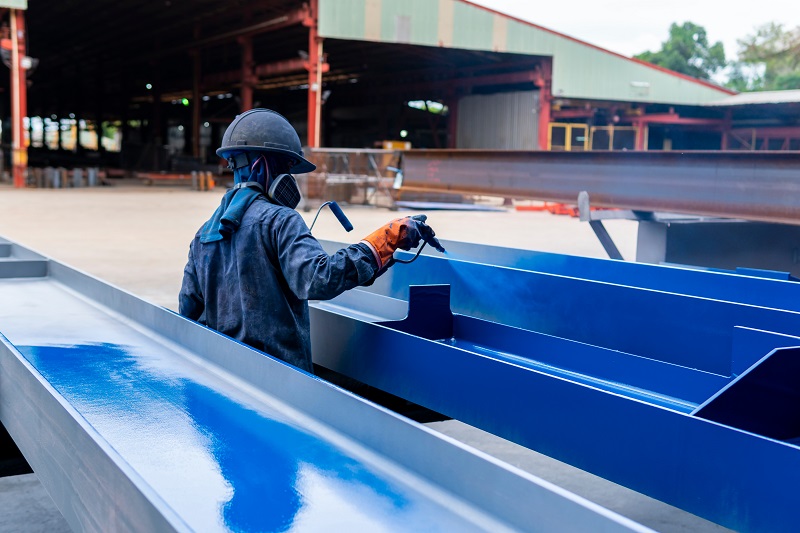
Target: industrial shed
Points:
(164, 78)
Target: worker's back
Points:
(254, 284)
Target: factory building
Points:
(152, 86)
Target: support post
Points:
(726, 130)
(314, 75)
(641, 135)
(99, 110)
(19, 98)
(158, 139)
(452, 119)
(545, 99)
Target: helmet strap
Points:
(238, 160)
(253, 184)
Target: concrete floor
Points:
(137, 238)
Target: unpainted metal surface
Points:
(19, 262)
(747, 185)
(152, 422)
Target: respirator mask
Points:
(281, 190)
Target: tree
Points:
(687, 51)
(768, 60)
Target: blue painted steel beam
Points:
(675, 328)
(705, 283)
(137, 419)
(609, 377)
(743, 286)
(619, 435)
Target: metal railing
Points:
(354, 175)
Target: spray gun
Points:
(426, 233)
(428, 236)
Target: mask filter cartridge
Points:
(285, 191)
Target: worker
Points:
(254, 264)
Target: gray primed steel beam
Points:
(97, 490)
(19, 262)
(748, 185)
(92, 486)
(22, 268)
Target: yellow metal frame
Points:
(568, 127)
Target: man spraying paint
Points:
(254, 264)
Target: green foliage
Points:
(687, 51)
(768, 60)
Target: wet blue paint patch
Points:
(221, 464)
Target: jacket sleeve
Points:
(310, 272)
(190, 299)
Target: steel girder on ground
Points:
(748, 185)
(137, 419)
(677, 383)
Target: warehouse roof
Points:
(95, 65)
(580, 69)
(759, 98)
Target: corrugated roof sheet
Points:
(759, 98)
(580, 69)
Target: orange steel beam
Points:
(284, 21)
(674, 118)
(19, 97)
(544, 82)
(286, 66)
(265, 70)
(314, 67)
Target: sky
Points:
(630, 27)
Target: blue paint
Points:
(675, 328)
(737, 479)
(220, 463)
(719, 284)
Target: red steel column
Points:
(641, 135)
(19, 98)
(545, 99)
(248, 82)
(314, 75)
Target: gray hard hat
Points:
(264, 130)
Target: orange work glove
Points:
(403, 233)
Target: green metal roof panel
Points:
(343, 19)
(400, 25)
(472, 28)
(580, 70)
